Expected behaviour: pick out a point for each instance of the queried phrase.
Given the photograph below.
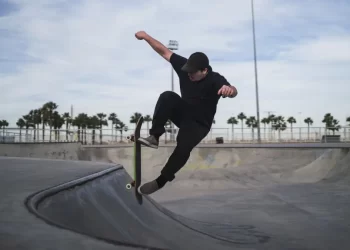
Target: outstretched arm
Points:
(156, 45)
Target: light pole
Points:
(173, 45)
(256, 76)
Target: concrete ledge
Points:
(243, 145)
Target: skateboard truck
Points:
(130, 138)
(130, 185)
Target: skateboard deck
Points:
(137, 157)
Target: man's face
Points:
(198, 75)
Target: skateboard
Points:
(137, 157)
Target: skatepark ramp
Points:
(211, 168)
(101, 207)
(223, 198)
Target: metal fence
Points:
(227, 135)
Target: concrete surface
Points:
(117, 216)
(252, 198)
(20, 229)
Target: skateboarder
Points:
(193, 112)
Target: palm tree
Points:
(335, 126)
(50, 107)
(77, 123)
(20, 123)
(3, 125)
(3, 136)
(251, 122)
(28, 120)
(233, 121)
(114, 118)
(36, 117)
(331, 123)
(57, 123)
(44, 120)
(68, 120)
(271, 118)
(291, 120)
(279, 124)
(265, 121)
(86, 121)
(327, 119)
(147, 119)
(309, 122)
(32, 118)
(93, 123)
(120, 126)
(81, 121)
(242, 117)
(348, 120)
(135, 117)
(102, 122)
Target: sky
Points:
(84, 53)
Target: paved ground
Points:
(19, 229)
(115, 214)
(239, 198)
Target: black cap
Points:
(197, 61)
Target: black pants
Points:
(170, 106)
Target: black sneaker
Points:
(148, 188)
(150, 141)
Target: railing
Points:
(237, 135)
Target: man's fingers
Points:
(225, 91)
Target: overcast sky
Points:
(85, 54)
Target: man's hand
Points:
(156, 45)
(141, 35)
(229, 91)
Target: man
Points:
(193, 113)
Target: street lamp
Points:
(173, 45)
(256, 76)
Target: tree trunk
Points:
(232, 133)
(67, 131)
(279, 134)
(43, 132)
(50, 130)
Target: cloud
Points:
(85, 54)
(328, 49)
